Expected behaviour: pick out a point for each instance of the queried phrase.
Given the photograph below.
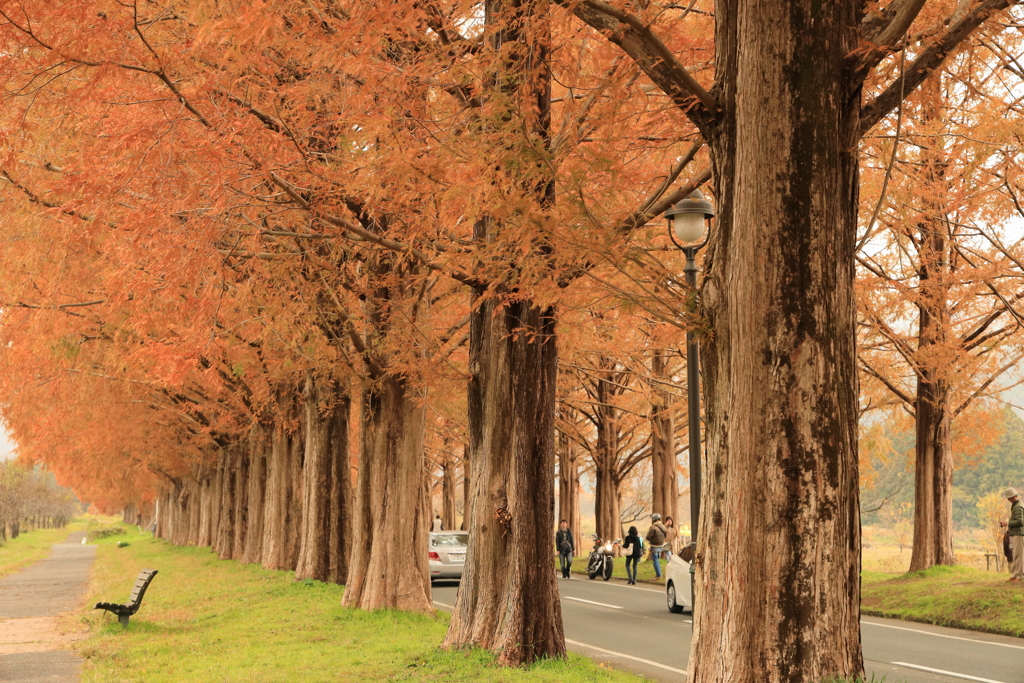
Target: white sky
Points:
(6, 445)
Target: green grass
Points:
(949, 596)
(204, 619)
(645, 572)
(32, 546)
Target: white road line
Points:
(946, 673)
(619, 585)
(591, 602)
(943, 635)
(625, 656)
(443, 604)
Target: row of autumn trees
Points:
(31, 499)
(262, 260)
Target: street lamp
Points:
(689, 224)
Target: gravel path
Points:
(31, 603)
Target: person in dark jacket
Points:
(1016, 529)
(566, 546)
(633, 549)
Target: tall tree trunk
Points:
(607, 504)
(226, 529)
(508, 601)
(241, 486)
(205, 507)
(569, 488)
(780, 502)
(322, 405)
(277, 494)
(467, 486)
(608, 494)
(448, 492)
(340, 513)
(391, 518)
(256, 494)
(665, 471)
(216, 498)
(933, 470)
(296, 494)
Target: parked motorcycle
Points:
(601, 560)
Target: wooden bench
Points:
(123, 612)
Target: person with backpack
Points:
(656, 539)
(1015, 528)
(566, 546)
(633, 548)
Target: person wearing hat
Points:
(1016, 529)
(656, 538)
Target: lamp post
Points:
(689, 227)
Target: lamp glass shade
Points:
(689, 227)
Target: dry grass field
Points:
(888, 551)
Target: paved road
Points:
(630, 628)
(30, 605)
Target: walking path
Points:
(31, 603)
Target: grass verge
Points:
(33, 546)
(960, 597)
(204, 619)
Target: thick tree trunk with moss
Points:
(391, 517)
(778, 565)
(508, 601)
(664, 466)
(326, 437)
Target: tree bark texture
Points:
(278, 501)
(569, 488)
(255, 494)
(241, 499)
(205, 507)
(508, 601)
(664, 466)
(778, 566)
(226, 529)
(933, 468)
(340, 512)
(391, 517)
(323, 408)
(467, 487)
(448, 493)
(296, 494)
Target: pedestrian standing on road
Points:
(656, 539)
(1016, 529)
(633, 549)
(671, 539)
(438, 524)
(566, 546)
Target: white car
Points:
(447, 554)
(678, 587)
